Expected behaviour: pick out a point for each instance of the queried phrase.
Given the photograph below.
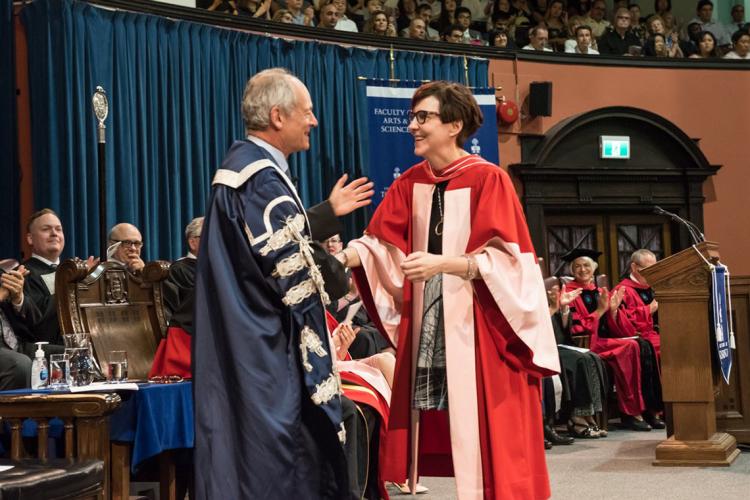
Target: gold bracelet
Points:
(471, 268)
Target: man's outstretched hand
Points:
(345, 199)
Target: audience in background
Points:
(538, 37)
(556, 21)
(499, 38)
(738, 19)
(424, 12)
(596, 18)
(463, 19)
(344, 23)
(416, 29)
(454, 34)
(656, 46)
(329, 17)
(656, 26)
(378, 25)
(509, 23)
(620, 41)
(407, 10)
(283, 16)
(636, 23)
(704, 16)
(707, 47)
(740, 46)
(579, 7)
(447, 18)
(583, 40)
(298, 13)
(254, 8)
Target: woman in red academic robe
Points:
(596, 312)
(447, 270)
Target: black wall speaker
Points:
(540, 99)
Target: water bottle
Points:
(39, 372)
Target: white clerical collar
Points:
(46, 261)
(191, 255)
(277, 155)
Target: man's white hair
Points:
(637, 256)
(194, 229)
(269, 88)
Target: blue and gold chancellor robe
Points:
(267, 399)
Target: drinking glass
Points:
(81, 365)
(118, 367)
(59, 372)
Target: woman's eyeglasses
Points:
(421, 116)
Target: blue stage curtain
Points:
(175, 90)
(9, 187)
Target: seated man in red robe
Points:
(639, 307)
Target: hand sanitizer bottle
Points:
(39, 372)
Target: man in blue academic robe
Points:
(268, 414)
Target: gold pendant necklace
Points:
(439, 226)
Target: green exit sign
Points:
(614, 147)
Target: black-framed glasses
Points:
(130, 243)
(421, 116)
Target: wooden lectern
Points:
(682, 285)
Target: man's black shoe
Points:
(634, 424)
(654, 421)
(556, 439)
(547, 445)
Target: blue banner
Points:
(391, 144)
(722, 325)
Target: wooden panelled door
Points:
(616, 236)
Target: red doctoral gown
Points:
(499, 338)
(621, 354)
(638, 317)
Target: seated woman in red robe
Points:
(595, 312)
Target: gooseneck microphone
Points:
(695, 233)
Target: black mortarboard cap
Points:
(580, 252)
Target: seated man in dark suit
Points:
(47, 240)
(15, 367)
(125, 244)
(180, 292)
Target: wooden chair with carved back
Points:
(120, 310)
(83, 472)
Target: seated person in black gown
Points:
(15, 367)
(583, 371)
(368, 341)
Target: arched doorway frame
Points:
(561, 173)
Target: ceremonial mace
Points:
(101, 109)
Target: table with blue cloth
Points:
(150, 422)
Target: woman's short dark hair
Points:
(457, 103)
